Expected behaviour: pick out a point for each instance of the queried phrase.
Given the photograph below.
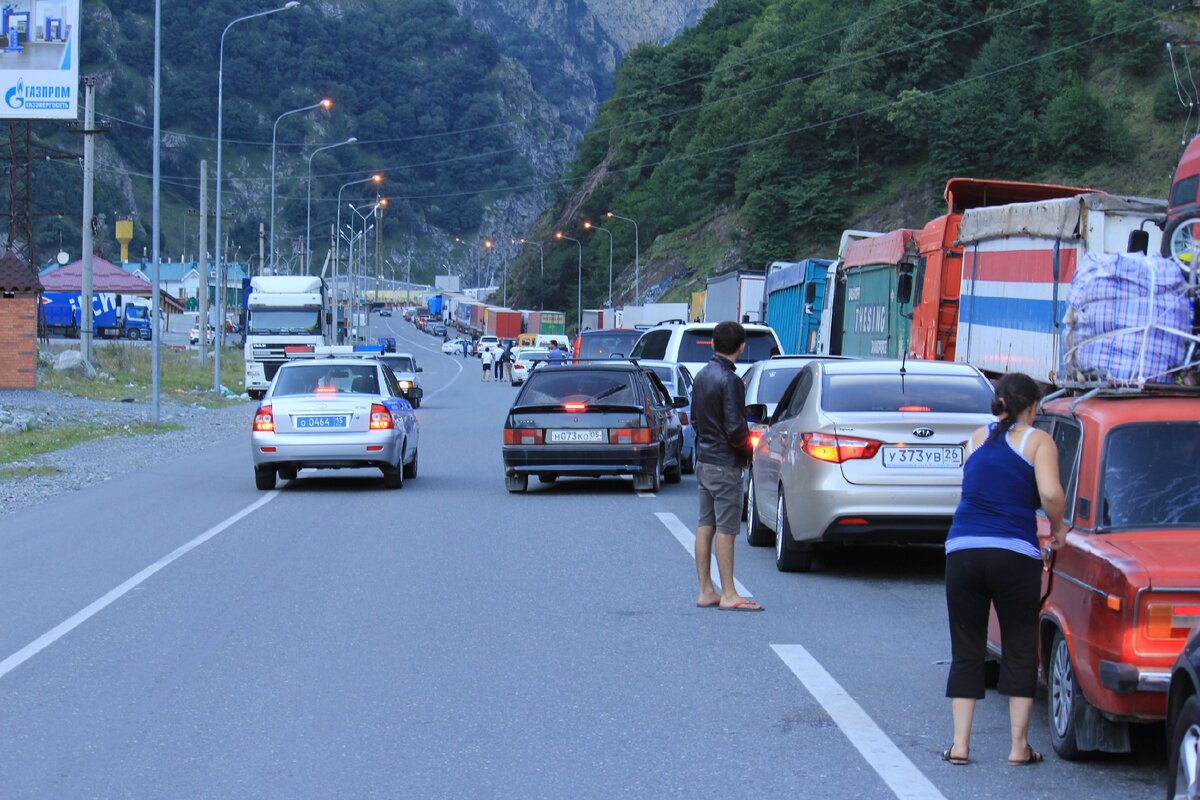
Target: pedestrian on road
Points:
(466, 346)
(497, 366)
(723, 442)
(993, 559)
(487, 358)
(506, 363)
(555, 355)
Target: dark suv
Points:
(589, 420)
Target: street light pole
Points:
(308, 214)
(350, 302)
(637, 271)
(337, 254)
(220, 337)
(561, 235)
(589, 226)
(325, 104)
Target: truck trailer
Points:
(875, 296)
(795, 296)
(113, 316)
(735, 296)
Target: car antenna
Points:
(903, 369)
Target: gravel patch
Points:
(96, 461)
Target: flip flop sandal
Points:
(958, 761)
(1034, 758)
(743, 605)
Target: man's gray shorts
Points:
(720, 497)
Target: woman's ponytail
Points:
(1015, 392)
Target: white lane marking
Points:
(688, 539)
(437, 351)
(898, 772)
(83, 615)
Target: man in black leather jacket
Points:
(723, 450)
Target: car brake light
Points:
(683, 418)
(852, 521)
(629, 436)
(836, 449)
(523, 436)
(381, 418)
(756, 434)
(913, 408)
(264, 420)
(325, 390)
(575, 406)
(1166, 621)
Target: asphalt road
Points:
(452, 640)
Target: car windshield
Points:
(666, 375)
(327, 379)
(283, 320)
(399, 363)
(1151, 471)
(530, 353)
(774, 382)
(697, 346)
(955, 394)
(559, 385)
(607, 344)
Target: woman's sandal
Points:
(1034, 758)
(958, 761)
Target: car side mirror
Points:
(420, 369)
(756, 413)
(680, 402)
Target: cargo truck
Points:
(503, 323)
(795, 296)
(595, 319)
(112, 316)
(735, 296)
(834, 286)
(281, 311)
(876, 296)
(650, 314)
(1018, 262)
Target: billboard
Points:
(39, 59)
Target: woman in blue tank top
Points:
(992, 558)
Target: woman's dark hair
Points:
(1015, 392)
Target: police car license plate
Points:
(322, 422)
(918, 457)
(589, 436)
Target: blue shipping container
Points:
(795, 295)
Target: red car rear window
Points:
(1151, 471)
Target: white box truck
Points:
(281, 311)
(735, 296)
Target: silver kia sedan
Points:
(862, 452)
(332, 413)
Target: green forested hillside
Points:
(773, 125)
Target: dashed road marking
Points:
(898, 772)
(83, 615)
(685, 537)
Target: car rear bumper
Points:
(580, 459)
(348, 451)
(837, 512)
(1129, 678)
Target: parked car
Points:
(603, 343)
(194, 334)
(863, 452)
(437, 329)
(404, 366)
(385, 312)
(690, 344)
(678, 381)
(454, 347)
(1183, 722)
(524, 359)
(589, 420)
(1120, 598)
(333, 413)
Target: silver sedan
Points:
(332, 413)
(864, 452)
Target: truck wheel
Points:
(264, 478)
(1066, 702)
(134, 333)
(790, 556)
(1182, 775)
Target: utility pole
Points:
(262, 243)
(202, 317)
(378, 248)
(89, 219)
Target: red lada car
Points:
(1119, 600)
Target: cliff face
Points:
(649, 21)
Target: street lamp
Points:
(325, 104)
(561, 235)
(220, 340)
(308, 215)
(337, 250)
(637, 271)
(356, 275)
(589, 226)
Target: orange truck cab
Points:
(939, 269)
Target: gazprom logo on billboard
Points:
(38, 96)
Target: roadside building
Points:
(20, 293)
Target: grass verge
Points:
(16, 473)
(183, 378)
(20, 446)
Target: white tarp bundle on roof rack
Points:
(1129, 319)
(1062, 218)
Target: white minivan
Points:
(690, 344)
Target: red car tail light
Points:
(756, 435)
(1167, 621)
(574, 406)
(381, 418)
(523, 436)
(913, 408)
(264, 421)
(837, 449)
(629, 436)
(683, 418)
(325, 390)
